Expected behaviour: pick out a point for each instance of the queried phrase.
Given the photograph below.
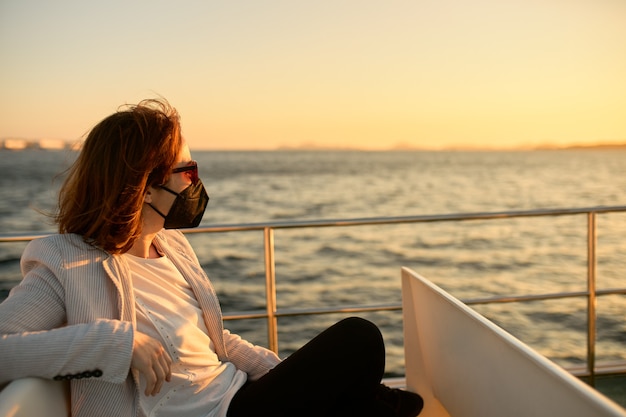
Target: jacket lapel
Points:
(202, 289)
(118, 272)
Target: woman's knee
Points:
(362, 348)
(361, 332)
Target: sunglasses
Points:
(191, 170)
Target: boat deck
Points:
(614, 387)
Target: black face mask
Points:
(188, 207)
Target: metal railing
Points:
(272, 313)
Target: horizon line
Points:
(14, 143)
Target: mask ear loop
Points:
(169, 190)
(156, 209)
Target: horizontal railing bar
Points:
(19, 237)
(611, 291)
(258, 314)
(241, 315)
(603, 369)
(540, 297)
(405, 219)
(522, 298)
(331, 310)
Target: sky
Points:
(358, 74)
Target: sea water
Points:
(360, 265)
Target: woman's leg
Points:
(340, 368)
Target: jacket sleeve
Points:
(34, 337)
(254, 360)
(98, 349)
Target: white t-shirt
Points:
(167, 310)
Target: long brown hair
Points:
(103, 194)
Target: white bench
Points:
(466, 366)
(34, 397)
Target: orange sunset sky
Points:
(364, 74)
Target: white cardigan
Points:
(73, 314)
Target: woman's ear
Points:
(147, 198)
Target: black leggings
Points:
(335, 374)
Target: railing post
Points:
(270, 289)
(591, 300)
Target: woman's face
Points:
(177, 182)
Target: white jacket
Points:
(73, 314)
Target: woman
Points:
(118, 304)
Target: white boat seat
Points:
(35, 397)
(466, 366)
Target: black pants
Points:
(336, 374)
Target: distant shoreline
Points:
(583, 147)
(418, 149)
(16, 145)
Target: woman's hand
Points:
(152, 361)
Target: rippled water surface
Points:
(328, 267)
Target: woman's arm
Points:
(256, 361)
(100, 350)
(34, 337)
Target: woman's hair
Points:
(103, 194)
